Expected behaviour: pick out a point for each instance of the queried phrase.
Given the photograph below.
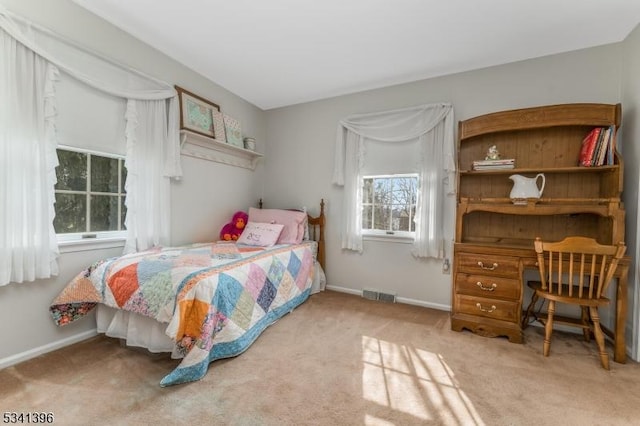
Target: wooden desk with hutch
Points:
(494, 237)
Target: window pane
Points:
(104, 174)
(389, 203)
(382, 191)
(404, 190)
(367, 220)
(124, 177)
(400, 218)
(123, 213)
(382, 217)
(71, 213)
(367, 191)
(104, 213)
(412, 224)
(72, 171)
(395, 217)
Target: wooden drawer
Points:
(489, 308)
(488, 286)
(487, 264)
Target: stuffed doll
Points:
(232, 230)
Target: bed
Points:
(205, 301)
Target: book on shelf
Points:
(603, 148)
(507, 163)
(588, 146)
(612, 146)
(598, 147)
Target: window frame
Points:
(94, 239)
(389, 235)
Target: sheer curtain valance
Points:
(89, 67)
(432, 126)
(152, 120)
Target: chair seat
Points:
(564, 296)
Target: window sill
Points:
(388, 239)
(90, 244)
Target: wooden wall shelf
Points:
(198, 146)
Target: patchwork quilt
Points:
(215, 298)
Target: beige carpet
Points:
(338, 360)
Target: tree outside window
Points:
(89, 193)
(389, 204)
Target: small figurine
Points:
(492, 153)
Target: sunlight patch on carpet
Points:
(414, 382)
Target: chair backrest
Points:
(581, 261)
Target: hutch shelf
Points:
(494, 237)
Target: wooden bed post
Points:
(318, 234)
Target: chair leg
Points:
(548, 328)
(525, 320)
(586, 331)
(599, 335)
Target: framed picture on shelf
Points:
(233, 131)
(196, 113)
(218, 126)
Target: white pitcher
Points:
(524, 187)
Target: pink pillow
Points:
(260, 234)
(294, 222)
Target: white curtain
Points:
(28, 246)
(148, 173)
(432, 125)
(152, 109)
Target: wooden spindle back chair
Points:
(575, 271)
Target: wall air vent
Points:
(372, 294)
(387, 297)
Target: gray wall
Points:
(606, 74)
(630, 88)
(307, 131)
(202, 201)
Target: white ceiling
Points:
(275, 53)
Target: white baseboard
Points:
(424, 304)
(406, 300)
(32, 353)
(343, 290)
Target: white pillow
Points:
(260, 234)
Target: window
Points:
(89, 195)
(389, 204)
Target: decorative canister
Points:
(250, 143)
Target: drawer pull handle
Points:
(483, 288)
(493, 308)
(488, 268)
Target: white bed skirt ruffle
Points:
(136, 330)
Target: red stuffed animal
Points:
(232, 230)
